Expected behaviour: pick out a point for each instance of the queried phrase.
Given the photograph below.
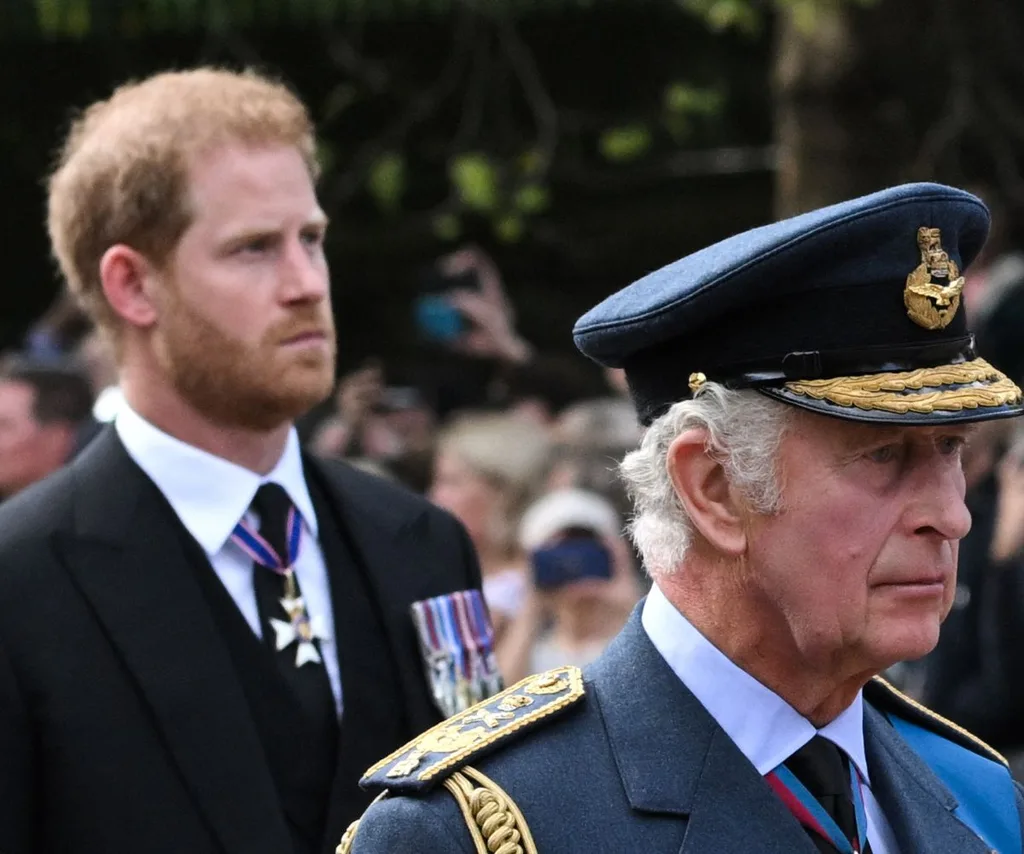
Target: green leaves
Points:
(808, 15)
(64, 17)
(684, 99)
(78, 19)
(682, 103)
(325, 157)
(506, 193)
(531, 199)
(475, 181)
(720, 15)
(748, 16)
(509, 228)
(386, 181)
(447, 227)
(626, 143)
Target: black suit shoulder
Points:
(30, 523)
(36, 512)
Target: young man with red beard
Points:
(205, 635)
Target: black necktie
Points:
(309, 684)
(824, 769)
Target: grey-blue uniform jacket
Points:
(624, 759)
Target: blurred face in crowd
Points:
(29, 450)
(858, 568)
(245, 332)
(469, 496)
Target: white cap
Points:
(567, 508)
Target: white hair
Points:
(744, 431)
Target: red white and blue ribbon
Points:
(458, 647)
(248, 539)
(812, 815)
(299, 628)
(482, 633)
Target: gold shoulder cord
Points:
(494, 821)
(346, 840)
(991, 752)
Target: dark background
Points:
(812, 101)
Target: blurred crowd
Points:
(523, 446)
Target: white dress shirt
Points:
(765, 727)
(211, 495)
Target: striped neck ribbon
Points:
(249, 541)
(811, 814)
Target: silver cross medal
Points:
(300, 627)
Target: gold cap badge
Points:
(932, 294)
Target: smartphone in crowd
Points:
(435, 317)
(573, 558)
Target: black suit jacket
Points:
(123, 724)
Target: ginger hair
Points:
(122, 176)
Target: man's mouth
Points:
(310, 336)
(921, 583)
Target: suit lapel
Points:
(674, 759)
(384, 544)
(128, 561)
(377, 540)
(918, 806)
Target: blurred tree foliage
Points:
(575, 140)
(581, 141)
(507, 137)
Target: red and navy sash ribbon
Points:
(250, 541)
(812, 815)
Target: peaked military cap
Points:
(853, 310)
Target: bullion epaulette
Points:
(447, 747)
(887, 698)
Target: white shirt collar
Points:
(765, 727)
(209, 494)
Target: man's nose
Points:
(940, 506)
(305, 273)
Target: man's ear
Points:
(703, 489)
(127, 276)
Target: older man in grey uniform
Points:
(808, 387)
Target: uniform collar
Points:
(209, 494)
(765, 728)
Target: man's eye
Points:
(949, 445)
(257, 245)
(885, 454)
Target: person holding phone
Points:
(582, 584)
(463, 307)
